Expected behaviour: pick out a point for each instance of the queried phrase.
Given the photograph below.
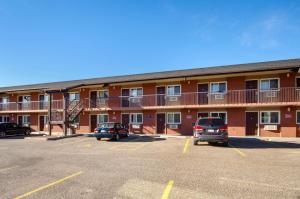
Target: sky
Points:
(57, 40)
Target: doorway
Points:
(160, 123)
(251, 91)
(251, 123)
(125, 120)
(160, 97)
(202, 93)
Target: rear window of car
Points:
(211, 122)
(107, 125)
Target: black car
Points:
(211, 130)
(9, 128)
(111, 130)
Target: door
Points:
(161, 123)
(125, 97)
(202, 93)
(251, 91)
(93, 122)
(93, 99)
(160, 98)
(125, 120)
(20, 120)
(202, 114)
(251, 123)
(42, 123)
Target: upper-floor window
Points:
(298, 82)
(103, 94)
(174, 90)
(4, 100)
(218, 87)
(25, 98)
(136, 92)
(270, 117)
(269, 84)
(44, 98)
(74, 96)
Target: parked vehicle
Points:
(111, 130)
(9, 128)
(211, 130)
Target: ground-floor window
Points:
(173, 118)
(4, 118)
(270, 117)
(222, 115)
(102, 118)
(298, 116)
(136, 118)
(24, 119)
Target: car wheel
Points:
(195, 142)
(117, 137)
(27, 132)
(225, 144)
(99, 139)
(127, 134)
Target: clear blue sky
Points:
(44, 41)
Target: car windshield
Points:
(106, 125)
(211, 122)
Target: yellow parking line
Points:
(48, 185)
(7, 168)
(167, 190)
(237, 150)
(186, 145)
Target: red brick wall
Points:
(236, 119)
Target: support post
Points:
(65, 113)
(50, 114)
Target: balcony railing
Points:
(31, 106)
(197, 99)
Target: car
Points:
(211, 130)
(10, 128)
(111, 130)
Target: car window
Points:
(106, 125)
(211, 122)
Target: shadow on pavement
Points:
(138, 138)
(18, 137)
(255, 143)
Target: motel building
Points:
(256, 99)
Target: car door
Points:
(9, 129)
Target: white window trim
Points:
(23, 116)
(98, 119)
(269, 89)
(130, 116)
(226, 118)
(130, 91)
(5, 116)
(74, 93)
(167, 115)
(6, 97)
(210, 87)
(296, 116)
(98, 92)
(167, 87)
(260, 116)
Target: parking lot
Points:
(148, 167)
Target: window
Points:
(103, 94)
(5, 100)
(269, 117)
(174, 118)
(136, 118)
(136, 92)
(74, 96)
(218, 87)
(174, 90)
(269, 84)
(24, 119)
(222, 115)
(102, 118)
(4, 118)
(298, 116)
(298, 82)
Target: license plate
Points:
(102, 131)
(210, 130)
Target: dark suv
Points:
(211, 130)
(111, 130)
(9, 128)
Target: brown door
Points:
(125, 120)
(93, 122)
(160, 98)
(161, 123)
(93, 100)
(42, 123)
(202, 114)
(202, 93)
(125, 97)
(251, 91)
(20, 120)
(251, 123)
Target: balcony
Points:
(31, 106)
(232, 98)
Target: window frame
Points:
(269, 120)
(167, 90)
(4, 116)
(75, 97)
(98, 118)
(136, 88)
(138, 123)
(218, 112)
(210, 87)
(175, 123)
(28, 118)
(269, 79)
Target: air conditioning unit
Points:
(173, 126)
(270, 127)
(271, 93)
(173, 98)
(219, 96)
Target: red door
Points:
(160, 98)
(161, 123)
(251, 91)
(251, 123)
(202, 93)
(125, 120)
(93, 122)
(125, 97)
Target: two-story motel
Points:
(260, 99)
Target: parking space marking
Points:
(48, 185)
(7, 168)
(167, 190)
(129, 146)
(241, 153)
(186, 145)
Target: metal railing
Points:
(30, 106)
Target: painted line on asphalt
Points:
(186, 145)
(48, 185)
(241, 153)
(8, 168)
(167, 190)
